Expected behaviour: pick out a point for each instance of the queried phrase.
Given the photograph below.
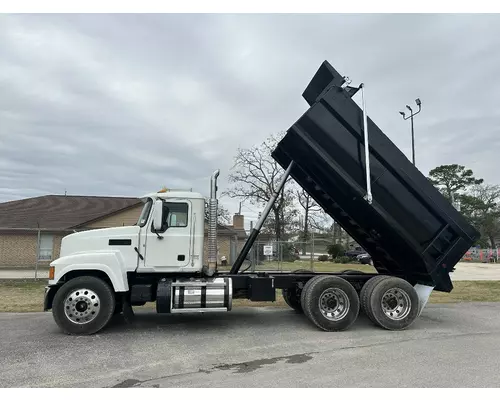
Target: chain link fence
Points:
(287, 256)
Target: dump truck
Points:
(348, 166)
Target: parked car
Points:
(364, 258)
(354, 252)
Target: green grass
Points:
(27, 296)
(465, 291)
(21, 296)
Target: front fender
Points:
(109, 262)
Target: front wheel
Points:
(83, 305)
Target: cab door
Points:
(170, 248)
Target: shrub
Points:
(335, 250)
(323, 257)
(289, 253)
(342, 260)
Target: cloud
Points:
(124, 104)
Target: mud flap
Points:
(423, 293)
(127, 310)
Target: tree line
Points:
(255, 175)
(476, 200)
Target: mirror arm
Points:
(159, 236)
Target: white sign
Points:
(268, 250)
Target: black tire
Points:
(291, 298)
(303, 295)
(390, 302)
(365, 293)
(292, 295)
(104, 312)
(286, 295)
(321, 289)
(351, 272)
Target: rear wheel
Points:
(292, 295)
(364, 295)
(83, 305)
(292, 299)
(330, 302)
(390, 302)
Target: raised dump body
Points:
(410, 229)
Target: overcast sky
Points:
(123, 104)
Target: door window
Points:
(175, 215)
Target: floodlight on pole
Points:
(418, 102)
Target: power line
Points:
(248, 208)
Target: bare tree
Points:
(325, 224)
(322, 223)
(223, 215)
(289, 217)
(310, 207)
(255, 176)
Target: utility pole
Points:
(37, 250)
(410, 117)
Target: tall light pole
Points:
(412, 114)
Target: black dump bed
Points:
(410, 229)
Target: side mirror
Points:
(158, 215)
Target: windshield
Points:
(143, 218)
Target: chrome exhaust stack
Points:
(212, 225)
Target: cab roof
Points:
(173, 194)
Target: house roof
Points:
(60, 212)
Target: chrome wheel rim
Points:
(81, 306)
(334, 304)
(396, 304)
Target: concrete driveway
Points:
(448, 346)
(476, 272)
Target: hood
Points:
(99, 239)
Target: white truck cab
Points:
(168, 237)
(160, 258)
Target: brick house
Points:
(36, 226)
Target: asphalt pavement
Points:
(454, 345)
